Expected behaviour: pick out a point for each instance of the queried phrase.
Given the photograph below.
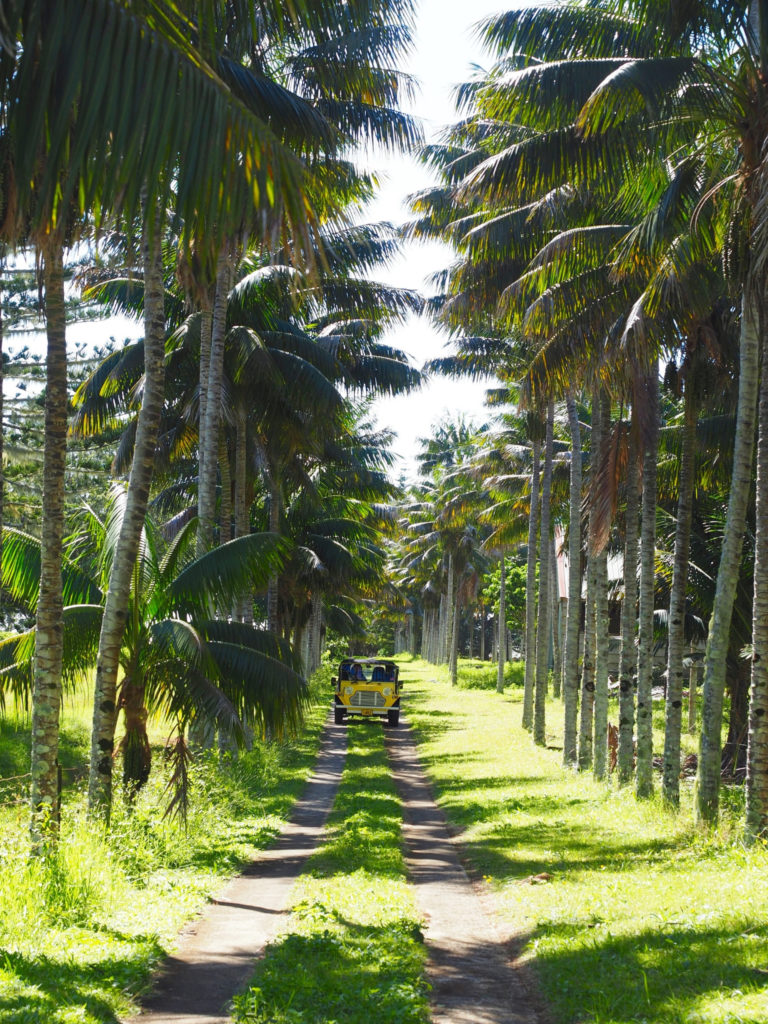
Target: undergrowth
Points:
(625, 910)
(483, 675)
(354, 949)
(81, 930)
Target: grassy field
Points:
(80, 933)
(353, 951)
(636, 916)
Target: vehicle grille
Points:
(367, 699)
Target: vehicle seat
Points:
(379, 675)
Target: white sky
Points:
(444, 54)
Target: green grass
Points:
(473, 674)
(354, 951)
(643, 918)
(74, 745)
(81, 931)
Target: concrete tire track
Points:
(216, 952)
(473, 980)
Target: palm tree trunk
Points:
(241, 505)
(242, 525)
(670, 785)
(482, 631)
(455, 623)
(46, 687)
(586, 721)
(543, 626)
(225, 468)
(600, 711)
(118, 593)
(710, 738)
(502, 621)
(206, 328)
(134, 746)
(299, 633)
(305, 648)
(448, 616)
(573, 621)
(693, 680)
(600, 743)
(587, 705)
(440, 630)
(644, 777)
(275, 509)
(555, 619)
(628, 656)
(2, 412)
(756, 822)
(530, 589)
(209, 432)
(316, 634)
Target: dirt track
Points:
(216, 952)
(473, 981)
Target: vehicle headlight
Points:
(348, 690)
(387, 690)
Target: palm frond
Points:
(220, 576)
(21, 573)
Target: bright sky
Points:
(444, 55)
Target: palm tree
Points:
(543, 624)
(572, 629)
(176, 659)
(46, 691)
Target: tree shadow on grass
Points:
(549, 835)
(657, 975)
(467, 784)
(227, 848)
(35, 988)
(511, 851)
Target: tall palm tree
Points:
(46, 692)
(572, 629)
(543, 624)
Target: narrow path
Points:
(473, 981)
(216, 952)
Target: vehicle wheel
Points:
(393, 717)
(338, 716)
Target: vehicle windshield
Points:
(354, 671)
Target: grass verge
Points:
(81, 932)
(354, 950)
(635, 916)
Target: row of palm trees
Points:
(604, 194)
(205, 153)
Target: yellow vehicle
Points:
(369, 687)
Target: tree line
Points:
(199, 163)
(603, 191)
